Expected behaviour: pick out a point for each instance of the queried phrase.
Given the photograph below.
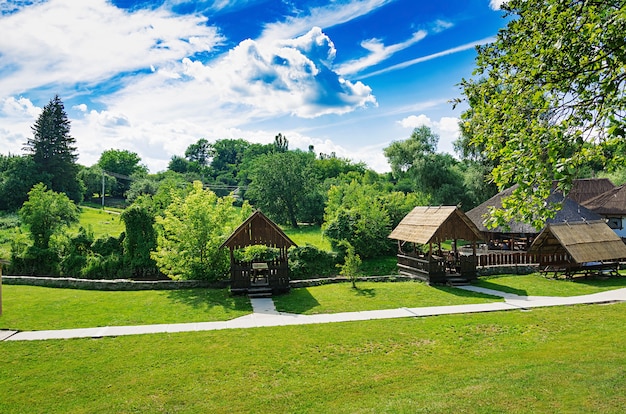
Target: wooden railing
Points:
(520, 258)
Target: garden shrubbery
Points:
(308, 262)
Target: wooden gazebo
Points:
(266, 276)
(419, 236)
(579, 248)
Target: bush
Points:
(9, 221)
(35, 261)
(308, 262)
(104, 267)
(257, 252)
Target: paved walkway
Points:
(265, 314)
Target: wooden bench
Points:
(570, 270)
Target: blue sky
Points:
(152, 77)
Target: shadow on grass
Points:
(603, 282)
(369, 293)
(296, 301)
(207, 298)
(469, 294)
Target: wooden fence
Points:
(520, 258)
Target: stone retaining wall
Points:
(117, 284)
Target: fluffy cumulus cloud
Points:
(446, 127)
(64, 42)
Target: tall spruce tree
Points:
(53, 150)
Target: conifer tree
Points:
(53, 150)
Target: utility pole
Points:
(103, 189)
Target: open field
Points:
(308, 235)
(340, 297)
(37, 308)
(537, 285)
(565, 359)
(100, 222)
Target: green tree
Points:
(282, 183)
(92, 181)
(53, 150)
(122, 164)
(356, 213)
(551, 84)
(417, 167)
(200, 152)
(140, 240)
(18, 174)
(45, 213)
(351, 265)
(191, 232)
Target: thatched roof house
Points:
(610, 203)
(584, 242)
(570, 212)
(585, 189)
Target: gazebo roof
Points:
(585, 241)
(258, 229)
(435, 224)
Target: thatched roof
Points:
(587, 188)
(612, 202)
(583, 241)
(570, 212)
(258, 229)
(425, 225)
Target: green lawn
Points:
(304, 235)
(537, 285)
(37, 308)
(100, 222)
(550, 360)
(340, 297)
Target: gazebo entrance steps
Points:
(450, 279)
(260, 289)
(457, 281)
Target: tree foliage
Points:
(53, 150)
(282, 184)
(191, 232)
(364, 215)
(139, 241)
(18, 174)
(45, 213)
(548, 98)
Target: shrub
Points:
(9, 221)
(308, 262)
(257, 252)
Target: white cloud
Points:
(252, 81)
(446, 127)
(325, 17)
(496, 4)
(415, 61)
(378, 53)
(64, 42)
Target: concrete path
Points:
(265, 314)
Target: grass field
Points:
(37, 308)
(308, 235)
(100, 222)
(550, 360)
(537, 285)
(340, 297)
